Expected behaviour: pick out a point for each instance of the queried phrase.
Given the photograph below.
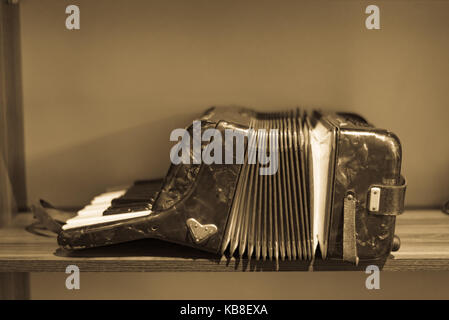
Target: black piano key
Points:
(139, 197)
(127, 209)
(139, 192)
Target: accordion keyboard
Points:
(126, 203)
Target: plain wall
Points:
(100, 102)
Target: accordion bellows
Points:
(269, 216)
(306, 183)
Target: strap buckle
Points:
(387, 199)
(383, 199)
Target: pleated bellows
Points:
(270, 215)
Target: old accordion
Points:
(335, 188)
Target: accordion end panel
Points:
(368, 194)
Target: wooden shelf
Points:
(424, 235)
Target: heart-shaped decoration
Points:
(199, 231)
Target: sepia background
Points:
(99, 104)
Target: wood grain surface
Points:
(424, 235)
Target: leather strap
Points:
(390, 200)
(382, 200)
(48, 218)
(349, 229)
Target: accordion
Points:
(282, 186)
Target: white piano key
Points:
(91, 213)
(86, 216)
(81, 222)
(107, 197)
(93, 209)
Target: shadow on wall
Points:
(75, 174)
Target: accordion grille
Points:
(270, 217)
